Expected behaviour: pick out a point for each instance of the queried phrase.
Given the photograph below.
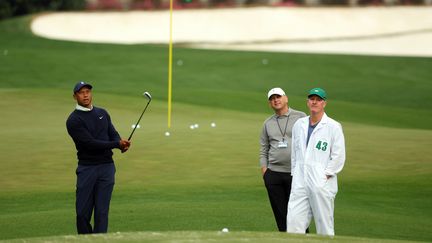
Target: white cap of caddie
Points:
(274, 91)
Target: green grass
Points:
(203, 236)
(195, 182)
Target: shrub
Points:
(10, 8)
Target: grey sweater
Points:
(271, 156)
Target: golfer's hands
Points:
(124, 145)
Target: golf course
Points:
(188, 186)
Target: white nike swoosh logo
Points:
(100, 118)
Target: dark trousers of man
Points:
(94, 188)
(278, 186)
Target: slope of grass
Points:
(224, 79)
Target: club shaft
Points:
(139, 119)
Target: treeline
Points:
(11, 8)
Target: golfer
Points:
(275, 153)
(94, 136)
(318, 155)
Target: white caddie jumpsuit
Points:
(312, 194)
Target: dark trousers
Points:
(278, 186)
(94, 188)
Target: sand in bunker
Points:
(402, 31)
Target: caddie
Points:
(317, 156)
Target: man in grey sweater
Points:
(275, 154)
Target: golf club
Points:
(148, 96)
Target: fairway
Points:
(196, 182)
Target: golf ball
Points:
(180, 62)
(196, 125)
(167, 134)
(213, 124)
(265, 61)
(192, 127)
(225, 230)
(137, 126)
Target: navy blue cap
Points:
(81, 84)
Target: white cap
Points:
(274, 91)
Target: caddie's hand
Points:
(124, 145)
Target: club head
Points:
(147, 95)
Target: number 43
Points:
(321, 145)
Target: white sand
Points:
(405, 31)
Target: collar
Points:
(285, 114)
(82, 108)
(313, 126)
(324, 120)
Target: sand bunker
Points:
(404, 31)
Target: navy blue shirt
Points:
(94, 136)
(310, 130)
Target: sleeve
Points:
(112, 132)
(264, 143)
(83, 139)
(294, 139)
(337, 152)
